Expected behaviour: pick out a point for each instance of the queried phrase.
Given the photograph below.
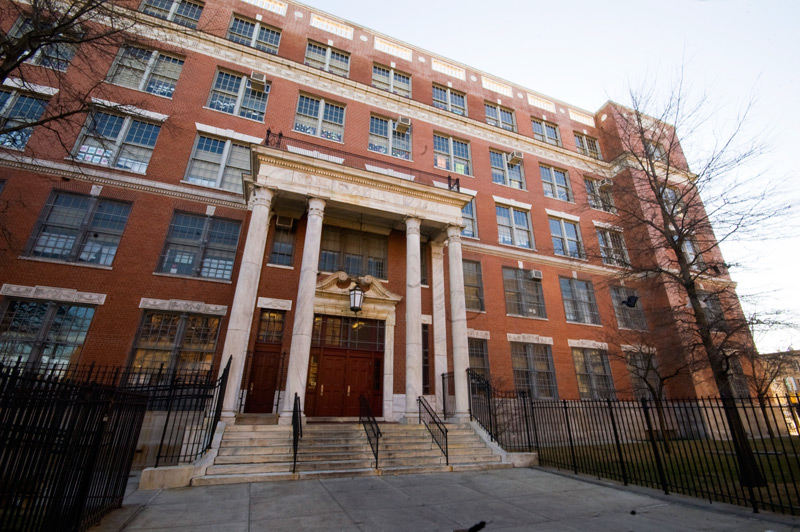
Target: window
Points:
(200, 246)
(449, 100)
(18, 109)
(117, 141)
(176, 342)
(514, 227)
(500, 117)
(451, 154)
(654, 150)
(628, 317)
(505, 172)
(673, 201)
(566, 238)
(283, 245)
(737, 378)
(523, 293)
(478, 356)
(146, 70)
(423, 263)
(254, 34)
(594, 374)
(181, 12)
(319, 118)
(353, 252)
(56, 55)
(426, 359)
(533, 370)
(691, 252)
(470, 221)
(546, 132)
(77, 228)
(599, 194)
(645, 378)
(712, 308)
(612, 247)
(218, 163)
(43, 332)
(580, 305)
(473, 285)
(328, 58)
(385, 138)
(556, 183)
(389, 79)
(587, 146)
(270, 326)
(237, 96)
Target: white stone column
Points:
(413, 321)
(458, 320)
(304, 312)
(439, 322)
(244, 298)
(388, 368)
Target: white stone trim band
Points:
(529, 339)
(181, 305)
(274, 304)
(227, 133)
(52, 293)
(588, 344)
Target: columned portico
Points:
(413, 321)
(458, 319)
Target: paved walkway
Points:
(508, 499)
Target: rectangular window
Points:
(16, 110)
(233, 94)
(645, 378)
(691, 252)
(599, 194)
(146, 70)
(514, 227)
(523, 293)
(533, 370)
(270, 326)
(566, 237)
(712, 308)
(594, 374)
(389, 79)
(176, 342)
(426, 359)
(449, 100)
(612, 248)
(319, 118)
(587, 146)
(630, 314)
(654, 150)
(328, 58)
(580, 305)
(354, 252)
(282, 245)
(504, 172)
(500, 116)
(43, 332)
(546, 132)
(451, 154)
(218, 163)
(183, 12)
(478, 356)
(423, 263)
(470, 221)
(473, 285)
(200, 246)
(117, 141)
(386, 137)
(556, 183)
(77, 228)
(56, 55)
(673, 201)
(254, 34)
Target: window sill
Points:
(168, 98)
(571, 202)
(476, 311)
(526, 317)
(192, 278)
(453, 172)
(582, 323)
(192, 183)
(14, 148)
(509, 186)
(318, 137)
(80, 161)
(280, 266)
(67, 263)
(394, 157)
(582, 259)
(235, 115)
(516, 247)
(614, 212)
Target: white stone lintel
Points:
(52, 293)
(588, 344)
(483, 335)
(605, 225)
(130, 109)
(274, 304)
(182, 305)
(530, 339)
(16, 83)
(512, 203)
(564, 215)
(427, 319)
(227, 133)
(638, 348)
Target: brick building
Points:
(476, 215)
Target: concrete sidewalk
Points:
(508, 499)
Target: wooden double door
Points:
(342, 376)
(265, 374)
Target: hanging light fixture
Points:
(356, 298)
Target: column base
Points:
(410, 419)
(458, 419)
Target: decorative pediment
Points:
(340, 283)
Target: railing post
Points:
(620, 456)
(569, 435)
(661, 475)
(166, 420)
(524, 396)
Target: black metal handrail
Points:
(297, 430)
(370, 424)
(435, 426)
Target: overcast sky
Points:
(586, 52)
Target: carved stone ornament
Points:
(52, 293)
(588, 344)
(181, 305)
(530, 339)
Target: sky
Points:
(587, 52)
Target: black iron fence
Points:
(435, 426)
(370, 424)
(297, 430)
(448, 395)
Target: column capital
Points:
(454, 234)
(316, 206)
(262, 196)
(412, 225)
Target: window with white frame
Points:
(319, 118)
(328, 58)
(580, 304)
(556, 183)
(177, 342)
(630, 314)
(514, 227)
(16, 110)
(587, 145)
(546, 132)
(271, 326)
(499, 116)
(146, 70)
(451, 154)
(235, 94)
(385, 138)
(218, 163)
(691, 252)
(200, 246)
(254, 34)
(117, 141)
(599, 194)
(56, 55)
(184, 12)
(523, 293)
(391, 80)
(612, 247)
(470, 220)
(594, 374)
(566, 237)
(79, 228)
(449, 100)
(478, 356)
(473, 285)
(645, 377)
(673, 201)
(654, 150)
(533, 370)
(504, 172)
(356, 253)
(712, 309)
(283, 238)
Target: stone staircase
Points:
(260, 453)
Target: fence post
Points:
(166, 421)
(569, 435)
(617, 442)
(527, 421)
(661, 475)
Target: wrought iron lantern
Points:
(356, 298)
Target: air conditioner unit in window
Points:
(534, 274)
(402, 125)
(606, 183)
(515, 157)
(258, 80)
(284, 221)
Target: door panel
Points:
(264, 370)
(358, 381)
(331, 388)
